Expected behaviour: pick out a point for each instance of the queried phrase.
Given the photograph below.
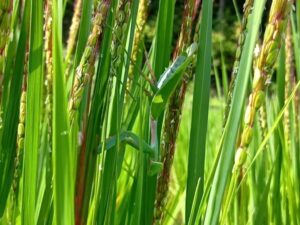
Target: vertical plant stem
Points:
(138, 36)
(48, 68)
(264, 66)
(248, 5)
(119, 37)
(86, 68)
(84, 73)
(33, 113)
(172, 118)
(289, 80)
(199, 121)
(11, 114)
(20, 146)
(224, 165)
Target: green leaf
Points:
(160, 58)
(63, 157)
(83, 34)
(163, 37)
(33, 114)
(11, 113)
(200, 108)
(239, 95)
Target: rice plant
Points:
(119, 112)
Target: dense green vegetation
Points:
(149, 112)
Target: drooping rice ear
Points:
(48, 67)
(248, 5)
(138, 36)
(20, 140)
(73, 33)
(5, 34)
(273, 38)
(120, 35)
(86, 67)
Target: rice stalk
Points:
(138, 36)
(119, 36)
(73, 33)
(289, 80)
(263, 109)
(172, 119)
(87, 63)
(263, 121)
(273, 36)
(48, 67)
(114, 166)
(248, 5)
(5, 33)
(297, 111)
(19, 157)
(5, 25)
(86, 67)
(119, 31)
(18, 163)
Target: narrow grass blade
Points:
(161, 57)
(33, 114)
(201, 94)
(239, 94)
(11, 114)
(63, 157)
(163, 38)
